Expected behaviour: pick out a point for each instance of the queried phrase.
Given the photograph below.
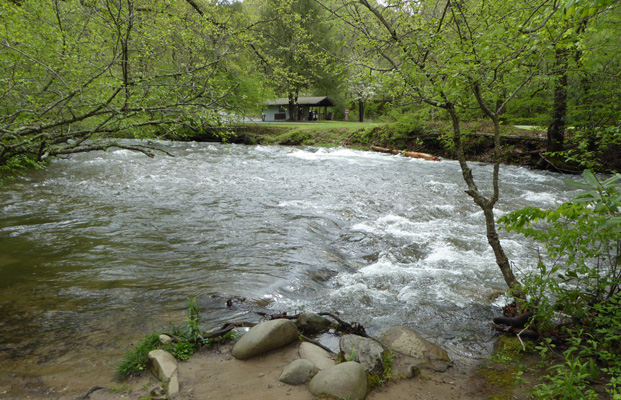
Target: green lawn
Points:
(320, 125)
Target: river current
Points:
(102, 248)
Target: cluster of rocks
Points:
(360, 357)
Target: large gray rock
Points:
(368, 352)
(312, 323)
(165, 367)
(264, 337)
(343, 381)
(321, 358)
(298, 372)
(162, 364)
(408, 342)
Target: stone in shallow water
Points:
(312, 323)
(409, 342)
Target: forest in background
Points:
(75, 75)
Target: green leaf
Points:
(590, 178)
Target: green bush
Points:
(582, 284)
(596, 149)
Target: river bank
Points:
(521, 145)
(216, 374)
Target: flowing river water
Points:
(102, 248)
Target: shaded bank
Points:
(521, 146)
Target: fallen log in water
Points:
(413, 154)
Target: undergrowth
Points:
(576, 297)
(186, 339)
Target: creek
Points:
(102, 248)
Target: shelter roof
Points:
(322, 101)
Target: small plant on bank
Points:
(375, 380)
(193, 320)
(136, 360)
(182, 350)
(187, 338)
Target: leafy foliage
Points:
(597, 149)
(583, 283)
(73, 75)
(188, 337)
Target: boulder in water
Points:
(312, 323)
(409, 342)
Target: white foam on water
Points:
(541, 199)
(449, 254)
(352, 156)
(399, 227)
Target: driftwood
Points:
(227, 328)
(91, 390)
(412, 154)
(343, 327)
(353, 328)
(516, 322)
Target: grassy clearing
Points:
(321, 125)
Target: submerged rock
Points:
(343, 381)
(264, 337)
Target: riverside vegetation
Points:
(576, 297)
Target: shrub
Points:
(581, 284)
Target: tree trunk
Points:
(487, 205)
(556, 129)
(293, 106)
(360, 110)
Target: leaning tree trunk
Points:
(487, 205)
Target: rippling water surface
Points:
(102, 248)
